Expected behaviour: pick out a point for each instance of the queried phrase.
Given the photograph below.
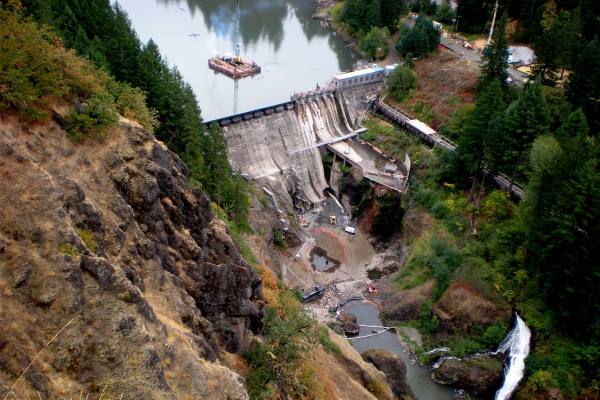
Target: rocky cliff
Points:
(115, 278)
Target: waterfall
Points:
(516, 344)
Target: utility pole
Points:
(493, 23)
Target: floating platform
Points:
(233, 68)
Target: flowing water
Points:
(516, 345)
(418, 377)
(295, 51)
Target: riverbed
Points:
(295, 51)
(418, 377)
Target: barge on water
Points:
(234, 67)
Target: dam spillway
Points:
(282, 146)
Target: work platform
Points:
(234, 68)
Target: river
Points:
(418, 377)
(294, 50)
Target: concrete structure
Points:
(359, 77)
(362, 76)
(282, 145)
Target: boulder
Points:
(404, 305)
(394, 369)
(350, 324)
(479, 375)
(462, 306)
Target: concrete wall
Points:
(283, 146)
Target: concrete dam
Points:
(282, 145)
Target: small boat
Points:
(313, 294)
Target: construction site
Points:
(301, 156)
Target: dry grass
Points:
(445, 83)
(35, 358)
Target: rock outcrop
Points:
(113, 273)
(462, 307)
(394, 369)
(349, 324)
(479, 375)
(404, 305)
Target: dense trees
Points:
(361, 15)
(562, 224)
(102, 32)
(420, 40)
(375, 43)
(495, 57)
(473, 14)
(583, 89)
(400, 82)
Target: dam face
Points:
(282, 148)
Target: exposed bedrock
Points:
(479, 375)
(394, 369)
(105, 244)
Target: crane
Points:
(236, 32)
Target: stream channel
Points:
(418, 377)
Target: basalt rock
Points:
(394, 369)
(105, 250)
(480, 376)
(462, 307)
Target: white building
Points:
(366, 75)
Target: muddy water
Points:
(321, 262)
(418, 377)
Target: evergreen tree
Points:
(556, 46)
(473, 14)
(372, 17)
(574, 125)
(583, 89)
(561, 215)
(495, 57)
(526, 119)
(354, 13)
(218, 170)
(421, 39)
(471, 143)
(391, 11)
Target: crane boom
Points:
(236, 33)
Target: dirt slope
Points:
(104, 243)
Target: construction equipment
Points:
(234, 66)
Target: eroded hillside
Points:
(105, 244)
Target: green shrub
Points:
(89, 238)
(68, 249)
(278, 238)
(400, 82)
(427, 319)
(375, 43)
(131, 103)
(93, 119)
(493, 335)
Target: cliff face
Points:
(105, 244)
